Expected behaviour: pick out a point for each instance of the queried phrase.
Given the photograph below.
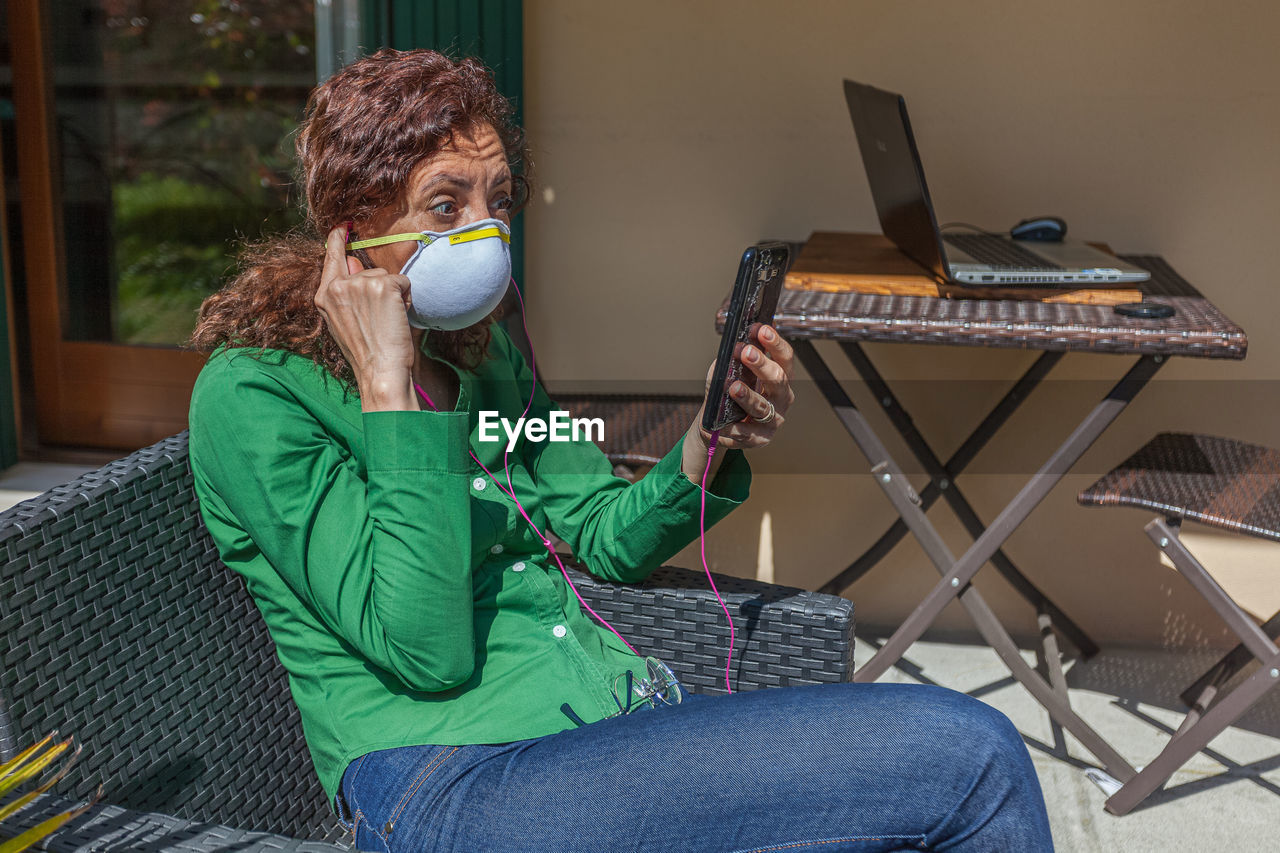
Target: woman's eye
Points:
(504, 203)
(445, 208)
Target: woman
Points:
(454, 695)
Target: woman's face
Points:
(466, 181)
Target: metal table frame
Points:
(1197, 330)
(1049, 690)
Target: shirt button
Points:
(478, 484)
(559, 630)
(496, 549)
(518, 567)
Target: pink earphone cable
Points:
(509, 491)
(702, 544)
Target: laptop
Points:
(906, 214)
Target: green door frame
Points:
(491, 30)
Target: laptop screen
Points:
(895, 174)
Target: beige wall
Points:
(670, 135)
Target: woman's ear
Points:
(358, 260)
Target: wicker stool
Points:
(1221, 483)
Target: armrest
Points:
(784, 636)
(111, 828)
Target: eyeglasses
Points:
(658, 685)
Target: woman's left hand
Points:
(766, 409)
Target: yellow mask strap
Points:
(454, 239)
(390, 238)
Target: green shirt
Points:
(406, 595)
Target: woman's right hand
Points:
(367, 314)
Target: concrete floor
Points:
(1226, 798)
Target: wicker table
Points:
(1198, 329)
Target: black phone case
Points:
(755, 297)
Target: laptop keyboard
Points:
(1001, 253)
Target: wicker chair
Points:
(124, 629)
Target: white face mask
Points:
(456, 277)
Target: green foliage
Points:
(188, 151)
(175, 244)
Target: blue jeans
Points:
(834, 767)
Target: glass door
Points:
(154, 137)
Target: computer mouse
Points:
(1045, 229)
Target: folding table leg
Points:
(957, 574)
(1049, 653)
(944, 476)
(959, 460)
(1041, 483)
(1048, 658)
(956, 584)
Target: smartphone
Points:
(755, 296)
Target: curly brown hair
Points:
(365, 130)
